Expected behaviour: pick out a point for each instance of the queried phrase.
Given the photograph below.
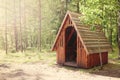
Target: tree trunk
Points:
(39, 29)
(110, 36)
(111, 29)
(25, 28)
(66, 5)
(100, 54)
(15, 28)
(119, 30)
(78, 6)
(119, 33)
(6, 39)
(21, 45)
(62, 10)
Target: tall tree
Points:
(15, 28)
(25, 35)
(66, 4)
(6, 39)
(119, 29)
(40, 26)
(21, 41)
(78, 6)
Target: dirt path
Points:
(39, 71)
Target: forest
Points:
(28, 26)
(31, 26)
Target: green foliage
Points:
(99, 12)
(95, 12)
(114, 54)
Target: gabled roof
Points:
(93, 41)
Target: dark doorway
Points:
(70, 45)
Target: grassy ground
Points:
(114, 54)
(28, 57)
(33, 56)
(46, 61)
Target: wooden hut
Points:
(76, 45)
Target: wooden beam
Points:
(94, 42)
(70, 25)
(69, 37)
(95, 51)
(75, 42)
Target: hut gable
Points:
(93, 41)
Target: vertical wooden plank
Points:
(57, 53)
(61, 51)
(80, 55)
(57, 56)
(84, 57)
(64, 48)
(85, 61)
(77, 51)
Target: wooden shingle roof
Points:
(93, 41)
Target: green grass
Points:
(114, 54)
(33, 56)
(28, 57)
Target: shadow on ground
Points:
(110, 70)
(20, 74)
(4, 66)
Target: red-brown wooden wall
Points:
(89, 60)
(81, 54)
(94, 59)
